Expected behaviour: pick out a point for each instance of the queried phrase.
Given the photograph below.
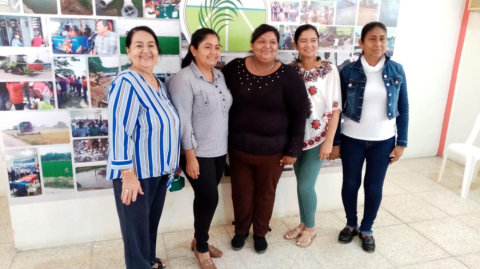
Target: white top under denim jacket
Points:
(203, 107)
(375, 125)
(324, 95)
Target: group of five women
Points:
(264, 114)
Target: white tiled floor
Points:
(421, 224)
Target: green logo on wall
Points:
(233, 20)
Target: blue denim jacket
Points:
(353, 81)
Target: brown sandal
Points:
(292, 234)
(206, 264)
(306, 233)
(214, 252)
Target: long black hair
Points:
(142, 28)
(262, 29)
(299, 32)
(198, 37)
(370, 26)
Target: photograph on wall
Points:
(90, 150)
(89, 123)
(40, 6)
(33, 64)
(389, 12)
(228, 57)
(287, 35)
(22, 31)
(161, 9)
(21, 129)
(284, 11)
(102, 71)
(336, 39)
(76, 7)
(346, 12)
(71, 82)
(57, 170)
(367, 11)
(23, 170)
(164, 70)
(10, 6)
(340, 59)
(37, 95)
(79, 36)
(91, 178)
(119, 8)
(317, 12)
(167, 32)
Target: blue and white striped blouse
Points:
(144, 129)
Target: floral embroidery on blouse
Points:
(320, 71)
(323, 88)
(315, 124)
(312, 90)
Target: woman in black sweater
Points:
(266, 129)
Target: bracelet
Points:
(126, 171)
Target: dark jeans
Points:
(354, 152)
(205, 188)
(85, 89)
(139, 221)
(20, 106)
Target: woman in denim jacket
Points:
(375, 109)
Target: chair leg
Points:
(442, 169)
(467, 176)
(475, 172)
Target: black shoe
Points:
(346, 235)
(238, 241)
(260, 244)
(368, 243)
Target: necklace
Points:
(255, 68)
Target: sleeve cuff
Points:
(123, 164)
(189, 143)
(402, 143)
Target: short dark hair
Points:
(197, 38)
(303, 28)
(104, 22)
(261, 30)
(147, 29)
(370, 26)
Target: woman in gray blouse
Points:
(201, 97)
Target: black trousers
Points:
(139, 221)
(206, 195)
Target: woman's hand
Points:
(287, 160)
(325, 150)
(193, 168)
(335, 153)
(179, 170)
(130, 187)
(396, 154)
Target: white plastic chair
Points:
(471, 154)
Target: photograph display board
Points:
(61, 57)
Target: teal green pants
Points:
(306, 169)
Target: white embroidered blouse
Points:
(325, 97)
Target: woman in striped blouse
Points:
(144, 148)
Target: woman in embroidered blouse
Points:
(323, 87)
